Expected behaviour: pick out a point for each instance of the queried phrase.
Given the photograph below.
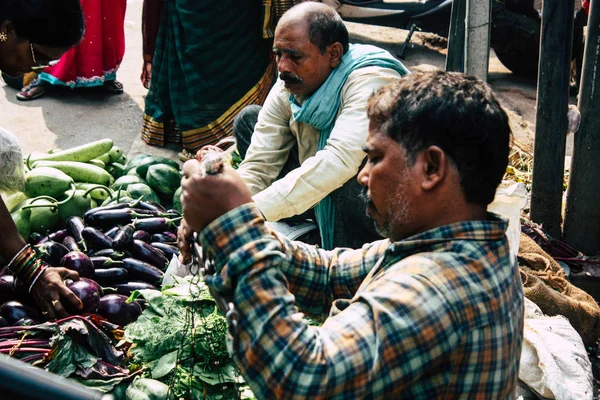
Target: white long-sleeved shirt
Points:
(320, 172)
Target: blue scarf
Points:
(321, 108)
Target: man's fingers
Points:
(191, 167)
(66, 273)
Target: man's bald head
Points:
(324, 24)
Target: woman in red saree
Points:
(95, 61)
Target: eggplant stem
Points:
(107, 190)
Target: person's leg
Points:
(36, 89)
(243, 127)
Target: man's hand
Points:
(184, 233)
(50, 292)
(205, 199)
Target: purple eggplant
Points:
(116, 309)
(25, 322)
(108, 276)
(152, 206)
(58, 236)
(141, 235)
(51, 252)
(89, 292)
(128, 287)
(78, 262)
(96, 239)
(75, 226)
(167, 249)
(164, 237)
(103, 262)
(123, 237)
(112, 232)
(112, 253)
(145, 252)
(12, 311)
(141, 270)
(7, 289)
(156, 225)
(70, 243)
(174, 212)
(3, 323)
(120, 216)
(109, 207)
(37, 238)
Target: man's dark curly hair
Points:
(456, 112)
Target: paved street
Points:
(65, 118)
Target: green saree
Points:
(210, 61)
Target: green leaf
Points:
(62, 362)
(103, 386)
(217, 375)
(163, 365)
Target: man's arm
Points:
(316, 277)
(271, 142)
(396, 326)
(338, 162)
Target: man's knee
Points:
(243, 127)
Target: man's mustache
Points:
(290, 78)
(364, 196)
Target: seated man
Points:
(310, 131)
(434, 311)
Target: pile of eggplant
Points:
(115, 249)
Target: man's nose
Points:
(363, 175)
(283, 65)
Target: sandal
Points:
(186, 155)
(113, 87)
(36, 89)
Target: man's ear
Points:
(335, 51)
(435, 167)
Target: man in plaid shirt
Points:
(433, 312)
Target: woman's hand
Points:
(146, 76)
(51, 293)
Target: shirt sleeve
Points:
(271, 143)
(338, 162)
(398, 325)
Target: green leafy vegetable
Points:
(181, 340)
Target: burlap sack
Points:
(546, 284)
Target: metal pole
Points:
(477, 43)
(582, 219)
(551, 118)
(455, 58)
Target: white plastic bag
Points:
(510, 199)
(175, 268)
(554, 362)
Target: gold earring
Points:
(3, 37)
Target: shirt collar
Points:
(490, 229)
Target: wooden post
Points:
(455, 58)
(582, 219)
(551, 117)
(477, 38)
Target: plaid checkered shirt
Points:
(436, 316)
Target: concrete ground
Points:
(66, 118)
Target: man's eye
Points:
(373, 160)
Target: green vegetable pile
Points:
(181, 341)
